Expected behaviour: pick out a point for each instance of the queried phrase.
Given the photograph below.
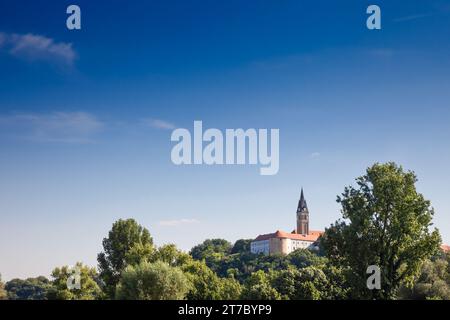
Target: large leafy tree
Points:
(311, 283)
(28, 289)
(386, 223)
(206, 285)
(139, 252)
(214, 252)
(88, 287)
(152, 281)
(127, 243)
(258, 287)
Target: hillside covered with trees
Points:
(385, 222)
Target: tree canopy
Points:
(206, 285)
(433, 281)
(386, 223)
(86, 277)
(28, 289)
(258, 287)
(210, 247)
(127, 243)
(152, 281)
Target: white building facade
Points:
(284, 242)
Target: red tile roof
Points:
(445, 248)
(312, 236)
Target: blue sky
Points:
(86, 116)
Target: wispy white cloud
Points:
(172, 223)
(314, 155)
(34, 47)
(412, 17)
(66, 127)
(159, 124)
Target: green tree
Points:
(28, 289)
(433, 282)
(169, 254)
(209, 246)
(65, 277)
(214, 252)
(258, 287)
(242, 265)
(311, 284)
(302, 258)
(206, 285)
(152, 281)
(3, 293)
(386, 223)
(139, 252)
(284, 281)
(231, 288)
(241, 246)
(338, 287)
(127, 243)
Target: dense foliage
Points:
(126, 241)
(152, 281)
(386, 222)
(433, 282)
(28, 289)
(88, 286)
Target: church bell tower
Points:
(302, 216)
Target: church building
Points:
(300, 238)
(285, 242)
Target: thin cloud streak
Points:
(412, 17)
(33, 47)
(159, 124)
(65, 127)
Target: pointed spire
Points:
(302, 206)
(302, 216)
